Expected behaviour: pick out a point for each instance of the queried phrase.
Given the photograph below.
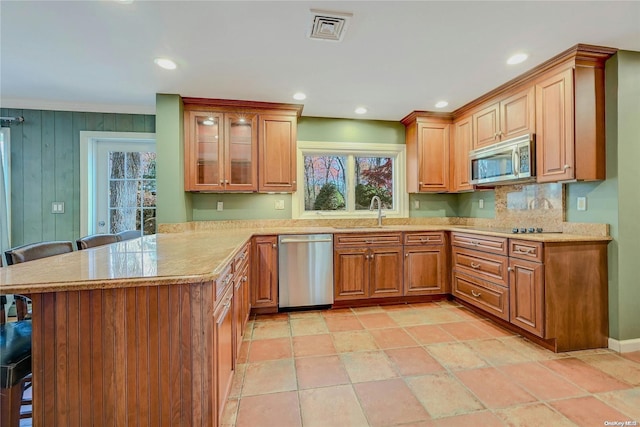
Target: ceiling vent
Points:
(329, 26)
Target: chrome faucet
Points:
(380, 214)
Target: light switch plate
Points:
(416, 204)
(481, 204)
(279, 204)
(220, 206)
(582, 203)
(57, 207)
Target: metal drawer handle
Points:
(524, 252)
(475, 294)
(474, 265)
(474, 242)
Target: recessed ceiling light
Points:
(517, 58)
(361, 110)
(165, 63)
(441, 104)
(299, 96)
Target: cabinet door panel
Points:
(554, 128)
(526, 283)
(517, 114)
(241, 146)
(224, 342)
(433, 152)
(277, 148)
(486, 126)
(460, 147)
(204, 151)
(386, 272)
(351, 274)
(264, 283)
(424, 270)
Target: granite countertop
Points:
(188, 257)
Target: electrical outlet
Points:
(279, 204)
(57, 207)
(416, 204)
(582, 203)
(220, 206)
(481, 204)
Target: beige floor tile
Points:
(399, 307)
(531, 350)
(353, 341)
(269, 377)
(276, 329)
(308, 326)
(534, 415)
(464, 331)
(456, 356)
(429, 334)
(343, 323)
(392, 338)
(269, 349)
(230, 412)
(321, 371)
(449, 303)
(479, 419)
(413, 361)
(440, 315)
(618, 367)
(243, 354)
(497, 352)
(337, 312)
(313, 345)
(587, 410)
(238, 381)
(633, 356)
(389, 402)
(377, 320)
(274, 317)
(625, 401)
(584, 375)
(368, 366)
(312, 314)
(467, 314)
(407, 317)
(270, 410)
(493, 329)
(366, 310)
(494, 388)
(443, 395)
(331, 406)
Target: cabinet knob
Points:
(274, 246)
(226, 181)
(509, 269)
(566, 167)
(221, 181)
(293, 182)
(406, 255)
(420, 183)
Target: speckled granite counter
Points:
(193, 256)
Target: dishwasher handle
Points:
(306, 240)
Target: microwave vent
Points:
(329, 26)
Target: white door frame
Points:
(88, 149)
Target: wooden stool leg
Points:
(10, 399)
(21, 308)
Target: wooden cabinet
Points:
(239, 146)
(264, 277)
(277, 164)
(511, 116)
(367, 266)
(461, 144)
(425, 263)
(220, 151)
(526, 295)
(480, 272)
(224, 355)
(241, 303)
(428, 144)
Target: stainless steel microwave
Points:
(507, 162)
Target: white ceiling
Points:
(396, 56)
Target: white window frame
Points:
(398, 152)
(89, 142)
(7, 176)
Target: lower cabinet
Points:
(367, 266)
(224, 349)
(264, 276)
(425, 263)
(526, 295)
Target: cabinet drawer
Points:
(424, 238)
(487, 296)
(223, 281)
(496, 245)
(242, 258)
(525, 250)
(367, 239)
(481, 264)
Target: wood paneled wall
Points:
(45, 164)
(134, 356)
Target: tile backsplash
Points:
(530, 205)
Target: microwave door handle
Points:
(516, 162)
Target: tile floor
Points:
(431, 364)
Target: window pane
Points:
(374, 177)
(123, 219)
(324, 183)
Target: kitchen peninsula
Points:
(146, 330)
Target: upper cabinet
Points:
(510, 117)
(239, 146)
(428, 141)
(460, 146)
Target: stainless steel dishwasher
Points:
(305, 270)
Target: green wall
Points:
(469, 204)
(616, 200)
(45, 168)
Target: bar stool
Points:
(94, 240)
(15, 339)
(129, 234)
